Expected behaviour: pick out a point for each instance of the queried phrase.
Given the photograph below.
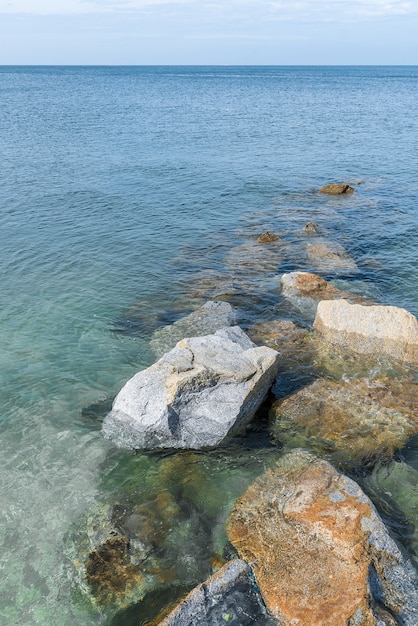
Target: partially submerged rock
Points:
(196, 395)
(312, 228)
(386, 331)
(355, 420)
(229, 596)
(252, 259)
(330, 257)
(320, 553)
(336, 189)
(205, 321)
(305, 290)
(267, 237)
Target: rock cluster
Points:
(312, 548)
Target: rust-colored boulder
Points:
(352, 420)
(319, 551)
(336, 189)
(386, 331)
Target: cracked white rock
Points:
(204, 390)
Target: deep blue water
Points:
(118, 185)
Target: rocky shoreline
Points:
(306, 545)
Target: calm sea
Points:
(118, 185)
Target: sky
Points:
(208, 32)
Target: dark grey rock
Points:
(228, 597)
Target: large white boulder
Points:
(386, 331)
(197, 394)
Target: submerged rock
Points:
(320, 553)
(252, 259)
(330, 257)
(352, 420)
(210, 284)
(394, 485)
(229, 596)
(206, 320)
(195, 396)
(336, 189)
(380, 330)
(144, 542)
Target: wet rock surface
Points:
(229, 596)
(267, 237)
(357, 420)
(305, 290)
(320, 553)
(312, 228)
(337, 189)
(195, 396)
(371, 330)
(330, 257)
(205, 321)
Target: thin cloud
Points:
(294, 10)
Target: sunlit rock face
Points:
(305, 290)
(380, 330)
(336, 189)
(353, 420)
(196, 395)
(320, 553)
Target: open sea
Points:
(120, 188)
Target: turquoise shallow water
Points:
(118, 185)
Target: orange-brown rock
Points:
(267, 237)
(312, 285)
(352, 420)
(313, 537)
(386, 331)
(336, 189)
(305, 290)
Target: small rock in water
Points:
(353, 420)
(196, 395)
(330, 257)
(320, 553)
(267, 237)
(380, 330)
(208, 319)
(336, 189)
(312, 228)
